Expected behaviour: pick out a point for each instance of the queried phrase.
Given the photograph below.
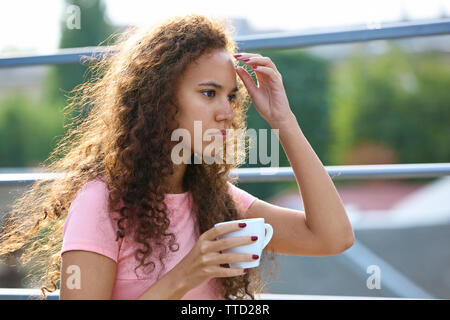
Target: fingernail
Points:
(246, 60)
(242, 224)
(254, 238)
(255, 256)
(237, 55)
(254, 67)
(245, 270)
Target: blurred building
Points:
(404, 226)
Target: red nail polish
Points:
(237, 55)
(246, 60)
(245, 270)
(255, 256)
(254, 67)
(242, 224)
(254, 238)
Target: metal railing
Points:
(256, 42)
(283, 40)
(267, 174)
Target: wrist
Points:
(286, 121)
(178, 283)
(172, 286)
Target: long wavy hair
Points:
(125, 139)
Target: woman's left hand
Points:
(269, 97)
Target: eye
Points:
(231, 97)
(209, 91)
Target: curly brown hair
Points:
(126, 139)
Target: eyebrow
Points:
(215, 85)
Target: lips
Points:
(222, 132)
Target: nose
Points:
(226, 113)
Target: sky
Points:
(33, 26)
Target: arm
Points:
(325, 214)
(87, 275)
(169, 287)
(291, 234)
(324, 226)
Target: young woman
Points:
(127, 222)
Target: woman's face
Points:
(205, 95)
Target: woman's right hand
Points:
(203, 261)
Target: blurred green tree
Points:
(392, 108)
(26, 128)
(94, 29)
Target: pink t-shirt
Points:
(89, 227)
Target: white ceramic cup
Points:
(255, 227)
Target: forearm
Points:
(170, 287)
(325, 213)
